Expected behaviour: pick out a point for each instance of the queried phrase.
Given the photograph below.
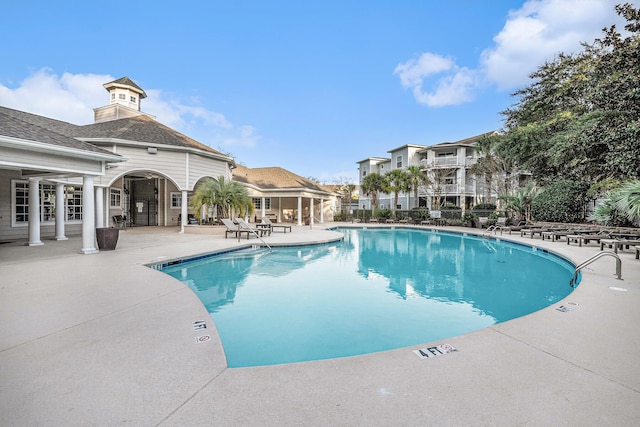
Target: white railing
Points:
(445, 161)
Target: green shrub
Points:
(562, 201)
(383, 213)
(484, 207)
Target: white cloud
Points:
(531, 35)
(69, 97)
(454, 87)
(246, 137)
(538, 31)
(72, 98)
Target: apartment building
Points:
(446, 165)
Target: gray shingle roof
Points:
(274, 178)
(140, 129)
(21, 125)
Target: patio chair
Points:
(284, 227)
(244, 226)
(120, 222)
(483, 221)
(233, 229)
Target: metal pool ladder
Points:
(580, 266)
(492, 229)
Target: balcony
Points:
(445, 161)
(446, 189)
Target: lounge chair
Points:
(584, 238)
(516, 227)
(272, 226)
(233, 229)
(373, 219)
(483, 221)
(244, 226)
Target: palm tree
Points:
(628, 200)
(622, 205)
(397, 182)
(491, 164)
(372, 184)
(227, 194)
(521, 201)
(416, 178)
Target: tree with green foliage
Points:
(229, 195)
(561, 201)
(416, 178)
(492, 165)
(397, 181)
(372, 185)
(520, 202)
(580, 118)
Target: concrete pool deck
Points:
(103, 340)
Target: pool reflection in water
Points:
(377, 290)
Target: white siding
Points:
(200, 167)
(48, 161)
(170, 164)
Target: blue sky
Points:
(311, 86)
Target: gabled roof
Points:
(31, 127)
(375, 159)
(466, 142)
(274, 178)
(126, 81)
(140, 129)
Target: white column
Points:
(34, 212)
(299, 210)
(100, 208)
(311, 212)
(61, 212)
(88, 217)
(321, 210)
(183, 211)
(264, 210)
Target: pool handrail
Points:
(583, 264)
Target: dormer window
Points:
(122, 96)
(113, 96)
(133, 99)
(399, 162)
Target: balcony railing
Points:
(445, 161)
(446, 188)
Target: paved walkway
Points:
(103, 340)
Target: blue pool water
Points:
(379, 289)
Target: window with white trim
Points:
(73, 198)
(47, 200)
(364, 171)
(176, 200)
(399, 162)
(122, 96)
(257, 203)
(115, 198)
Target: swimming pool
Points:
(378, 289)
